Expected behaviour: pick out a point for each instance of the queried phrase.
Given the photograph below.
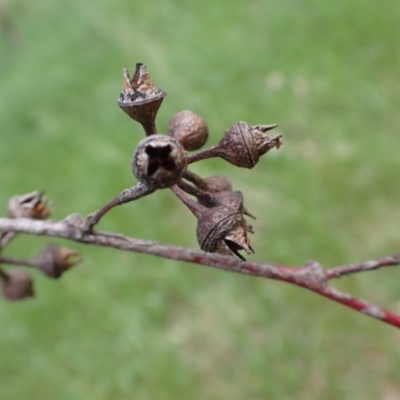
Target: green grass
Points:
(124, 326)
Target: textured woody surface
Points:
(311, 276)
(189, 129)
(242, 145)
(140, 99)
(159, 161)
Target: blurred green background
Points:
(128, 326)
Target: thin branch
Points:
(361, 305)
(195, 179)
(18, 261)
(311, 276)
(370, 265)
(5, 238)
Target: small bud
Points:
(243, 144)
(140, 99)
(16, 284)
(53, 260)
(217, 183)
(159, 161)
(33, 205)
(189, 129)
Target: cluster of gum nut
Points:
(161, 161)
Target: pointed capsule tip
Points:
(265, 128)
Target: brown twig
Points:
(6, 238)
(18, 261)
(197, 192)
(311, 276)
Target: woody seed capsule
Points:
(16, 285)
(140, 99)
(219, 229)
(159, 161)
(32, 205)
(243, 144)
(53, 260)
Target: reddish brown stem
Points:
(343, 270)
(195, 179)
(198, 193)
(360, 305)
(312, 276)
(149, 128)
(192, 205)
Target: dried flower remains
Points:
(161, 161)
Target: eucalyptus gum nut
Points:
(53, 260)
(32, 205)
(140, 99)
(220, 224)
(219, 229)
(159, 161)
(243, 144)
(17, 284)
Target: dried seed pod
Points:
(229, 246)
(159, 161)
(229, 199)
(140, 99)
(189, 129)
(16, 284)
(53, 260)
(243, 144)
(219, 229)
(220, 224)
(32, 205)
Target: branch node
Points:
(78, 225)
(312, 276)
